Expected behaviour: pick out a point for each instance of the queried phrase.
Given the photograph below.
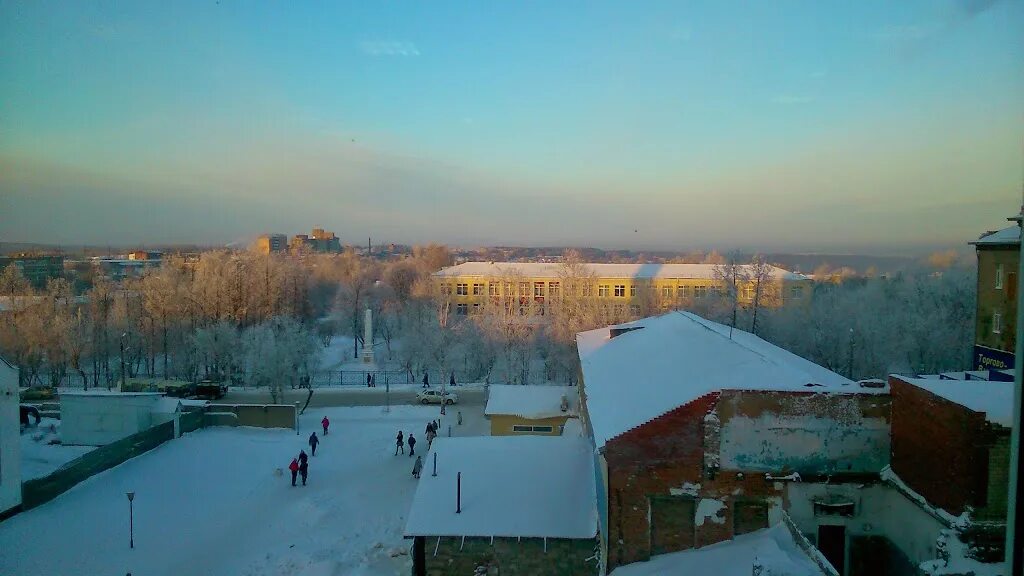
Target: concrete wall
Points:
(813, 434)
(510, 556)
(10, 439)
(98, 420)
(501, 425)
(260, 415)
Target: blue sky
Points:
(811, 126)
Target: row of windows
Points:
(520, 428)
(540, 289)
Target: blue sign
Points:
(986, 358)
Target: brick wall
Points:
(510, 556)
(939, 448)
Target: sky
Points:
(872, 126)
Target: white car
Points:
(435, 397)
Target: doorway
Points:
(832, 543)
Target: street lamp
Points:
(122, 365)
(131, 520)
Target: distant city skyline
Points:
(871, 127)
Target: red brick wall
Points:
(939, 448)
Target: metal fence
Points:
(359, 378)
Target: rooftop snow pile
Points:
(772, 549)
(556, 270)
(1009, 236)
(533, 402)
(667, 361)
(993, 398)
(531, 486)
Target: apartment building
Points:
(623, 290)
(996, 315)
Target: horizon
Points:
(871, 129)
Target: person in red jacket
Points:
(326, 423)
(294, 467)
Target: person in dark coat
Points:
(303, 469)
(426, 380)
(326, 424)
(412, 446)
(294, 468)
(430, 426)
(369, 379)
(451, 381)
(417, 467)
(313, 441)
(400, 443)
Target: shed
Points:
(99, 418)
(529, 409)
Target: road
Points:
(350, 396)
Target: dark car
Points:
(210, 390)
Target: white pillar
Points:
(368, 337)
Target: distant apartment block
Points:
(623, 290)
(996, 314)
(268, 243)
(145, 255)
(37, 269)
(320, 241)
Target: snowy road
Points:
(211, 503)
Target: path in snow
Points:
(210, 503)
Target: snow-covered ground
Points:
(772, 548)
(39, 456)
(211, 502)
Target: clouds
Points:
(388, 48)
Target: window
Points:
(538, 288)
(492, 289)
(666, 291)
(588, 290)
(700, 291)
(617, 310)
(554, 288)
(634, 309)
(748, 292)
(997, 323)
(461, 309)
(522, 428)
(632, 290)
(462, 289)
(524, 288)
(684, 291)
(478, 289)
(999, 276)
(542, 428)
(620, 290)
(796, 292)
(476, 308)
(446, 288)
(602, 290)
(517, 428)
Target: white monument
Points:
(368, 337)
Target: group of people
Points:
(300, 464)
(401, 441)
(426, 380)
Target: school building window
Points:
(538, 288)
(632, 290)
(796, 292)
(476, 308)
(666, 291)
(554, 288)
(620, 290)
(700, 291)
(462, 289)
(478, 289)
(588, 290)
(999, 276)
(523, 428)
(461, 309)
(492, 289)
(748, 291)
(684, 291)
(602, 290)
(524, 288)
(634, 309)
(446, 288)
(997, 323)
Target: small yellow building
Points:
(538, 410)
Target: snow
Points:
(39, 456)
(532, 402)
(530, 486)
(212, 502)
(994, 398)
(709, 509)
(688, 489)
(772, 548)
(556, 270)
(1010, 235)
(889, 475)
(958, 563)
(678, 357)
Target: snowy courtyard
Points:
(212, 502)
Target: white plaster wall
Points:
(806, 444)
(99, 420)
(10, 439)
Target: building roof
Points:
(532, 402)
(529, 486)
(1007, 237)
(992, 397)
(670, 360)
(556, 270)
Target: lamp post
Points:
(131, 520)
(122, 364)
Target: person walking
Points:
(451, 381)
(303, 468)
(417, 467)
(369, 380)
(426, 380)
(400, 443)
(430, 426)
(412, 446)
(430, 438)
(326, 424)
(313, 441)
(294, 468)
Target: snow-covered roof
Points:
(532, 402)
(771, 548)
(675, 358)
(1007, 236)
(992, 397)
(556, 270)
(530, 486)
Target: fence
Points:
(358, 378)
(42, 490)
(259, 415)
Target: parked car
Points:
(436, 396)
(210, 390)
(36, 393)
